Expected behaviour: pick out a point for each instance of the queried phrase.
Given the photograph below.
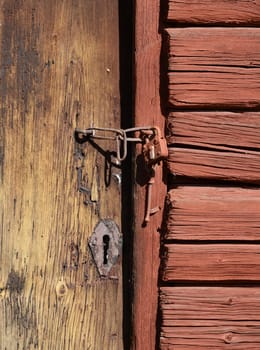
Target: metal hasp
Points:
(106, 244)
(154, 144)
(154, 150)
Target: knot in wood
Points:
(228, 338)
(61, 289)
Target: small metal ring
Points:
(119, 139)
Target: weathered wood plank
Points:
(213, 213)
(221, 337)
(227, 145)
(203, 317)
(221, 164)
(147, 110)
(210, 306)
(207, 67)
(215, 129)
(214, 12)
(211, 262)
(59, 71)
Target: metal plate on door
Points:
(106, 245)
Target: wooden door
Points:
(208, 282)
(59, 71)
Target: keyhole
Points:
(106, 240)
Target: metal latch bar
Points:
(154, 150)
(118, 135)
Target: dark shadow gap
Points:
(212, 108)
(210, 242)
(226, 148)
(217, 284)
(175, 181)
(126, 17)
(218, 25)
(228, 109)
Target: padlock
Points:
(154, 146)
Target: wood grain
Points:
(211, 262)
(212, 68)
(147, 111)
(221, 164)
(206, 317)
(216, 145)
(213, 213)
(207, 67)
(219, 12)
(215, 130)
(59, 64)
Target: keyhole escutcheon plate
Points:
(106, 245)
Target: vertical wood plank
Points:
(59, 64)
(146, 238)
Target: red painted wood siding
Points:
(210, 318)
(147, 111)
(235, 12)
(215, 145)
(214, 67)
(213, 214)
(210, 265)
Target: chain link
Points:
(118, 135)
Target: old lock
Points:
(154, 146)
(154, 150)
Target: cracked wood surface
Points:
(215, 145)
(206, 317)
(59, 64)
(212, 233)
(238, 131)
(214, 213)
(147, 111)
(242, 166)
(239, 12)
(209, 69)
(211, 262)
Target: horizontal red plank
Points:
(214, 67)
(212, 12)
(215, 130)
(213, 213)
(202, 306)
(211, 262)
(227, 145)
(225, 337)
(219, 164)
(210, 317)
